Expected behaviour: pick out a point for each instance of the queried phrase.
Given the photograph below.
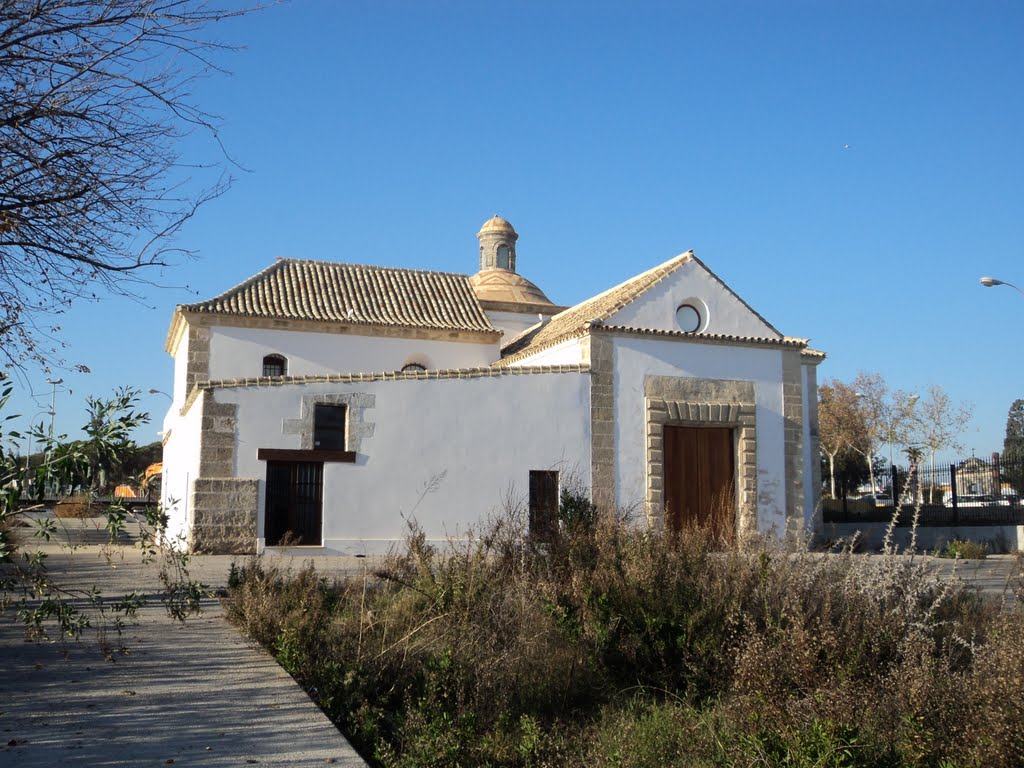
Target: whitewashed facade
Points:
(325, 405)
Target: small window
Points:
(412, 367)
(504, 256)
(274, 365)
(329, 428)
(689, 319)
(543, 504)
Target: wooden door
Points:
(294, 503)
(699, 481)
(543, 504)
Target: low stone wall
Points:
(999, 538)
(223, 516)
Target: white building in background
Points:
(322, 404)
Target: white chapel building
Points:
(322, 405)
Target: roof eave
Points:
(175, 331)
(236, 318)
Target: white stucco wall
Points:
(476, 438)
(725, 313)
(636, 358)
(568, 352)
(511, 323)
(239, 352)
(181, 465)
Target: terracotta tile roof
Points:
(572, 321)
(295, 289)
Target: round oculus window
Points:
(689, 319)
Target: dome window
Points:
(504, 260)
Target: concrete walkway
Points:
(193, 694)
(999, 577)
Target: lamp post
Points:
(28, 459)
(990, 282)
(161, 392)
(53, 417)
(53, 403)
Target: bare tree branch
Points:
(95, 96)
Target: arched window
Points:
(275, 365)
(504, 256)
(411, 367)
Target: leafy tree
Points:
(887, 414)
(840, 424)
(95, 96)
(1013, 447)
(140, 458)
(851, 471)
(873, 404)
(25, 587)
(940, 422)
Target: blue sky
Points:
(614, 136)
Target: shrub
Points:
(964, 550)
(613, 646)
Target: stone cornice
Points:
(521, 308)
(350, 378)
(788, 342)
(175, 332)
(812, 356)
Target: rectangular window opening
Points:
(329, 427)
(543, 504)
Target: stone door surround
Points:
(692, 402)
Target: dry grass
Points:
(612, 646)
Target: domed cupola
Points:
(498, 286)
(497, 244)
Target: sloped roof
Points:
(294, 289)
(599, 308)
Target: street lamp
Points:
(28, 459)
(53, 403)
(989, 282)
(161, 392)
(53, 416)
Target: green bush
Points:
(965, 550)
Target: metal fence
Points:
(52, 496)
(972, 491)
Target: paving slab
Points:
(191, 694)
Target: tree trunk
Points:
(832, 473)
(931, 479)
